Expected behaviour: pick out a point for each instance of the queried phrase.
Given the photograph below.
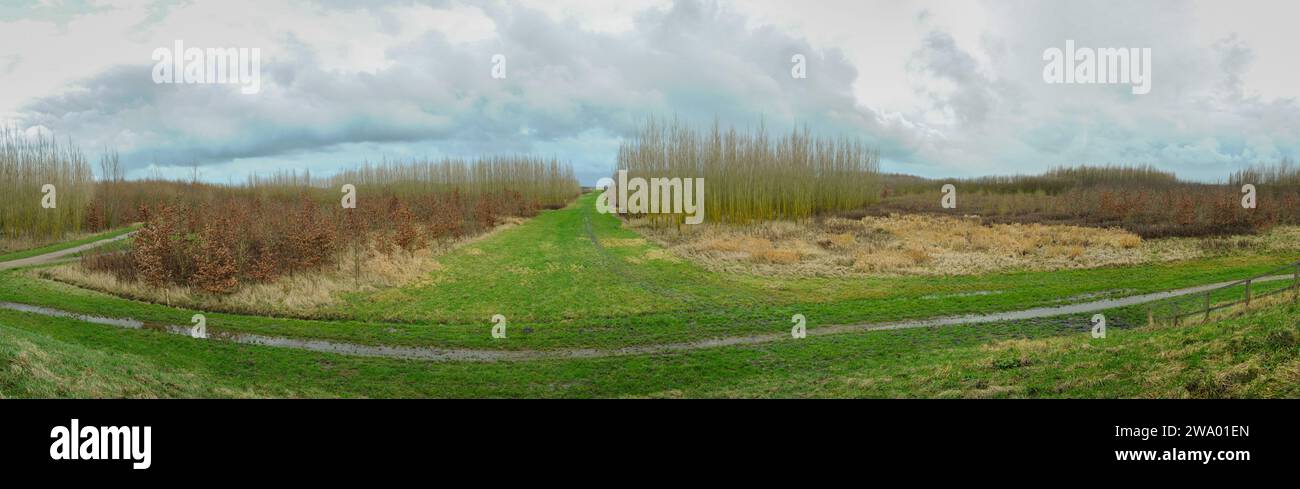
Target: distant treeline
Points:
(27, 165)
(84, 203)
(1142, 199)
(754, 176)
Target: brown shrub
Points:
(216, 263)
(215, 241)
(152, 247)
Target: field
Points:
(497, 277)
(589, 308)
(1253, 354)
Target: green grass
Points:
(559, 291)
(1248, 356)
(28, 253)
(37, 365)
(1254, 355)
(548, 270)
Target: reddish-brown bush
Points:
(217, 268)
(214, 240)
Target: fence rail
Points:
(1208, 304)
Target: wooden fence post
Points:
(1207, 305)
(1247, 293)
(1175, 314)
(1151, 316)
(1295, 285)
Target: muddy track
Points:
(472, 355)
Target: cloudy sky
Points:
(942, 88)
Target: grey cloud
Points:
(1196, 120)
(695, 60)
(570, 90)
(1234, 58)
(974, 95)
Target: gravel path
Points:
(54, 256)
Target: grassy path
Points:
(1255, 355)
(47, 254)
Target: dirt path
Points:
(56, 255)
(453, 354)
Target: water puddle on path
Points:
(45, 311)
(417, 353)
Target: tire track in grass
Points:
(616, 265)
(747, 309)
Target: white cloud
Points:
(944, 87)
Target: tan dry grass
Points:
(929, 245)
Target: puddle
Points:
(1046, 311)
(275, 341)
(45, 311)
(406, 352)
(961, 294)
(1093, 295)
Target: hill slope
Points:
(1254, 354)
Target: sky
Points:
(940, 88)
